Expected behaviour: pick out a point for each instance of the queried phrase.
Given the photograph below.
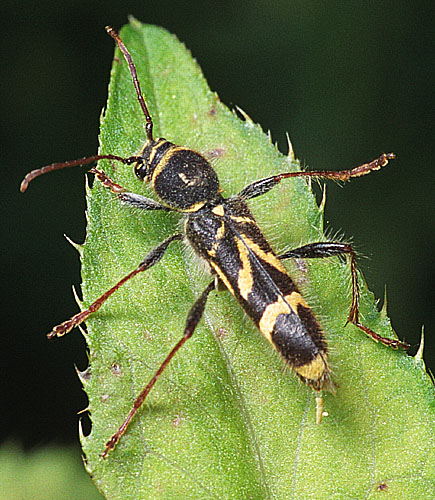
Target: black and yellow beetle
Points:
(224, 233)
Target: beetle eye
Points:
(140, 170)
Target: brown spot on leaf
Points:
(115, 369)
(215, 153)
(382, 486)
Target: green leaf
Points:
(226, 420)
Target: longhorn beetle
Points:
(224, 233)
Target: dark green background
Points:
(348, 80)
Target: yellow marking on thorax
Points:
(186, 180)
(245, 279)
(164, 160)
(193, 208)
(222, 277)
(154, 149)
(313, 370)
(218, 210)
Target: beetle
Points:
(223, 232)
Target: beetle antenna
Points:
(73, 163)
(133, 72)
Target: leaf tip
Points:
(419, 354)
(77, 246)
(291, 153)
(76, 297)
(384, 309)
(322, 205)
(245, 116)
(84, 377)
(134, 22)
(82, 434)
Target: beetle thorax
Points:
(182, 178)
